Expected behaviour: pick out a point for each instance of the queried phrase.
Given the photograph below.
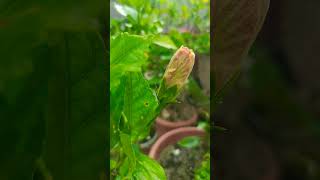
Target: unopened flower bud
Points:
(179, 67)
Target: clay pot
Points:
(172, 137)
(163, 126)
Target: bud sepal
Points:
(176, 74)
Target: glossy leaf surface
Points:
(127, 54)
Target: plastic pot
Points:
(172, 137)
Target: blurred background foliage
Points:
(171, 25)
(272, 112)
(53, 57)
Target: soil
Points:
(177, 112)
(180, 163)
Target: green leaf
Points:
(235, 25)
(25, 69)
(135, 3)
(23, 96)
(76, 136)
(167, 95)
(126, 10)
(128, 150)
(197, 94)
(140, 103)
(127, 53)
(189, 142)
(113, 164)
(204, 125)
(35, 18)
(203, 172)
(164, 41)
(116, 108)
(146, 168)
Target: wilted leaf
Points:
(236, 24)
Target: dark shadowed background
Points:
(272, 113)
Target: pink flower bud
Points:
(179, 67)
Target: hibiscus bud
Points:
(176, 74)
(179, 68)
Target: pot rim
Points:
(172, 137)
(170, 124)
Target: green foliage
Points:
(145, 168)
(126, 11)
(197, 95)
(166, 94)
(203, 172)
(165, 41)
(137, 63)
(52, 90)
(75, 132)
(116, 107)
(185, 22)
(189, 142)
(141, 17)
(127, 53)
(135, 107)
(204, 125)
(140, 104)
(200, 42)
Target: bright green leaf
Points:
(128, 150)
(126, 10)
(127, 53)
(116, 107)
(165, 41)
(146, 168)
(203, 172)
(189, 142)
(140, 103)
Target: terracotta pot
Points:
(172, 137)
(163, 126)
